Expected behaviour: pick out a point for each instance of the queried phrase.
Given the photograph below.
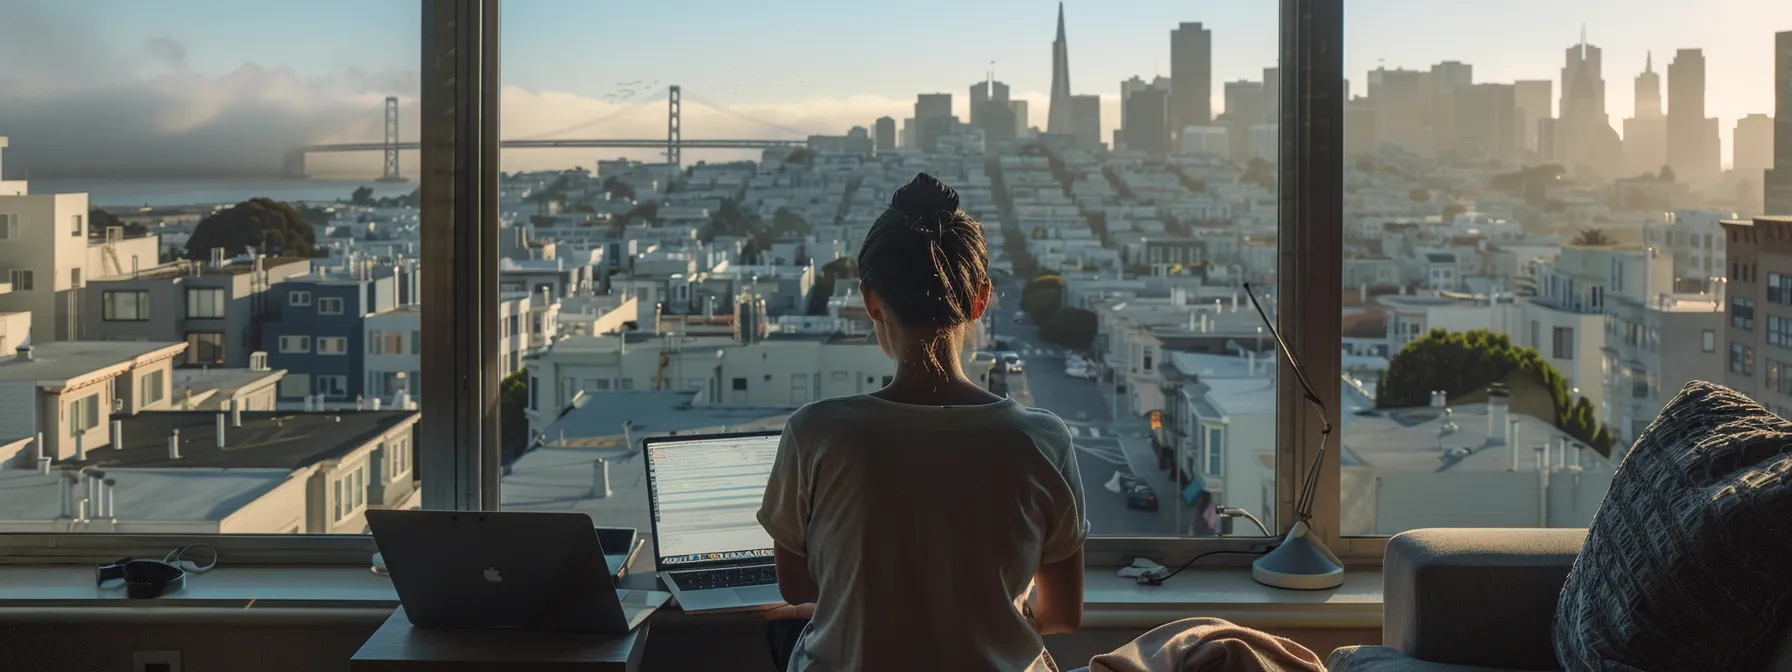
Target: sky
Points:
(200, 85)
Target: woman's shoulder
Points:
(826, 412)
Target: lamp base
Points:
(1300, 562)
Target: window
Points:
(534, 393)
(394, 342)
(1742, 313)
(329, 305)
(1779, 289)
(1742, 359)
(74, 278)
(298, 298)
(1639, 383)
(152, 388)
(1216, 452)
(80, 226)
(83, 414)
(205, 348)
(399, 451)
(205, 303)
(295, 385)
(330, 386)
(627, 383)
(23, 281)
(123, 306)
(9, 226)
(1562, 343)
(1779, 331)
(416, 342)
(295, 345)
(332, 345)
(1708, 340)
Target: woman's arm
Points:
(1060, 588)
(797, 587)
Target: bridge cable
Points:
(720, 108)
(656, 96)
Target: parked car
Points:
(1139, 496)
(1020, 319)
(1079, 371)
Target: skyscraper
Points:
(1146, 121)
(1191, 76)
(1443, 82)
(1692, 138)
(1086, 110)
(1402, 101)
(1752, 147)
(1778, 189)
(1485, 123)
(1646, 133)
(1022, 120)
(1583, 141)
(933, 114)
(1246, 106)
(886, 133)
(991, 112)
(1058, 115)
(1535, 99)
(1272, 95)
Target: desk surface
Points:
(398, 646)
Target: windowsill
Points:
(334, 593)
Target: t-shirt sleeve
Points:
(785, 511)
(1070, 522)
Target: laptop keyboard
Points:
(732, 577)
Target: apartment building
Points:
(61, 393)
(1695, 239)
(1758, 331)
(217, 308)
(314, 327)
(1653, 347)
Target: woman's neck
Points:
(938, 380)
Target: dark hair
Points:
(924, 257)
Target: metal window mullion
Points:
(459, 231)
(1309, 249)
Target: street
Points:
(1103, 446)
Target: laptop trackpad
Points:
(758, 595)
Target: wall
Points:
(1413, 500)
(280, 511)
(18, 416)
(132, 254)
(14, 327)
(44, 247)
(307, 320)
(406, 321)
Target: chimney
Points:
(376, 403)
(174, 445)
(67, 488)
(1498, 400)
(118, 435)
(1512, 441)
(220, 431)
(236, 414)
(1439, 399)
(80, 446)
(308, 400)
(110, 487)
(600, 479)
(24, 351)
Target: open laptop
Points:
(511, 569)
(705, 492)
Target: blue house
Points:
(315, 332)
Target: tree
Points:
(513, 426)
(1666, 174)
(99, 222)
(362, 196)
(647, 212)
(1452, 210)
(258, 222)
(786, 222)
(1073, 328)
(1592, 238)
(832, 273)
(618, 189)
(1042, 297)
(800, 156)
(1462, 362)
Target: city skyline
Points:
(186, 61)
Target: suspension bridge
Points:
(671, 146)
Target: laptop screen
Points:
(706, 497)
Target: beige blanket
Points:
(1207, 645)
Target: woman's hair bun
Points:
(923, 196)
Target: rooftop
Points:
(267, 439)
(559, 476)
(144, 494)
(67, 360)
(203, 386)
(185, 268)
(1415, 439)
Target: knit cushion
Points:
(1688, 564)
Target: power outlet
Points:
(155, 661)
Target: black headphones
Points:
(149, 579)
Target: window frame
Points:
(318, 345)
(300, 298)
(458, 432)
(280, 344)
(336, 301)
(30, 284)
(192, 358)
(109, 305)
(9, 226)
(219, 297)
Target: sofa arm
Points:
(1483, 597)
(1384, 659)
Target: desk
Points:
(399, 647)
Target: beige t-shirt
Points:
(922, 525)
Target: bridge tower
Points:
(673, 140)
(389, 170)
